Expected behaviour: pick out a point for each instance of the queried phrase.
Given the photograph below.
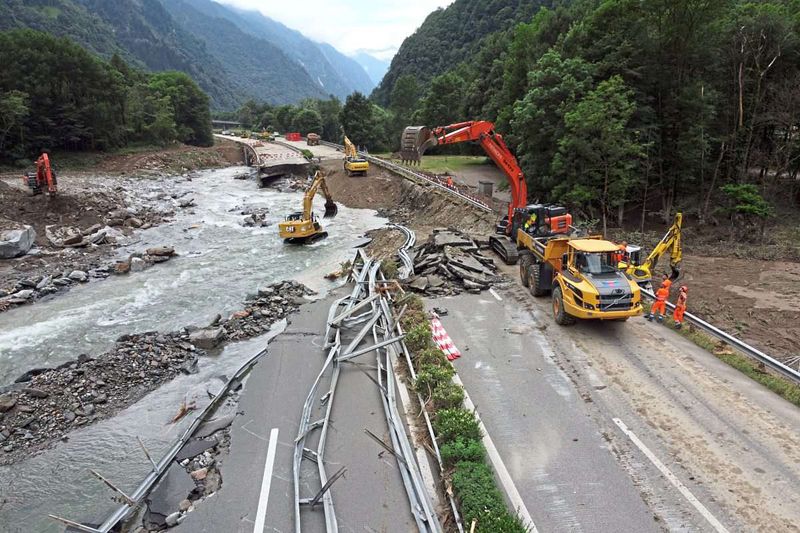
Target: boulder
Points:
(161, 251)
(17, 242)
(72, 240)
(137, 264)
(7, 403)
(23, 294)
(207, 338)
(79, 275)
(122, 267)
(134, 222)
(92, 229)
(35, 393)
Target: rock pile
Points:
(138, 261)
(45, 404)
(450, 262)
(26, 290)
(270, 305)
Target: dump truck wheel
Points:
(525, 261)
(561, 316)
(536, 280)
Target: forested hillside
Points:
(451, 35)
(56, 95)
(232, 56)
(617, 105)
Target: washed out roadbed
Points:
(51, 402)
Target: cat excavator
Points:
(353, 163)
(642, 271)
(302, 227)
(417, 139)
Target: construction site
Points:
(283, 333)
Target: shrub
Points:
(451, 424)
(432, 377)
(447, 396)
(308, 154)
(418, 337)
(474, 486)
(462, 450)
(430, 357)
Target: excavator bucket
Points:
(413, 143)
(331, 209)
(676, 272)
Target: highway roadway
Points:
(370, 497)
(623, 426)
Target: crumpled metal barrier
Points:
(740, 345)
(407, 267)
(138, 496)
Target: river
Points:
(219, 263)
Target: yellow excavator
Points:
(642, 271)
(353, 163)
(302, 227)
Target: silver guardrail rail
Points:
(414, 176)
(754, 353)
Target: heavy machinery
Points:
(581, 273)
(354, 163)
(303, 227)
(312, 139)
(417, 139)
(44, 179)
(642, 271)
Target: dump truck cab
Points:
(581, 273)
(589, 285)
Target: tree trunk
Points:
(704, 213)
(620, 214)
(605, 202)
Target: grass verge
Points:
(747, 366)
(441, 164)
(457, 430)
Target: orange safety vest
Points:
(662, 294)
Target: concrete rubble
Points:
(46, 404)
(451, 262)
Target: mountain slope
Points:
(261, 69)
(335, 73)
(451, 35)
(376, 68)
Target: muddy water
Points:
(220, 262)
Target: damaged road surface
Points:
(371, 492)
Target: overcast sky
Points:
(376, 26)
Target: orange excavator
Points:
(417, 139)
(43, 179)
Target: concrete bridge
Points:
(271, 159)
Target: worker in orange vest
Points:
(621, 254)
(659, 307)
(450, 181)
(680, 307)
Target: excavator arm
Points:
(308, 200)
(417, 139)
(349, 148)
(671, 242)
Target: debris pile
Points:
(450, 262)
(272, 304)
(138, 261)
(26, 290)
(45, 404)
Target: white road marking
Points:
(266, 481)
(494, 293)
(716, 524)
(499, 466)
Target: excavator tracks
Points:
(505, 249)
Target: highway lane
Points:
(370, 497)
(731, 443)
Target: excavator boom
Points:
(417, 139)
